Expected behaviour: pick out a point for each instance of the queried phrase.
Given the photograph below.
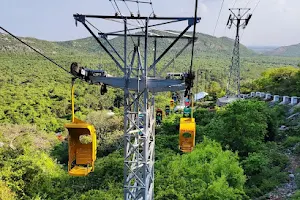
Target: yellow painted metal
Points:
(172, 105)
(82, 156)
(80, 171)
(72, 100)
(187, 134)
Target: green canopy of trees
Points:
(200, 175)
(282, 81)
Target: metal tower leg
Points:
(139, 145)
(233, 88)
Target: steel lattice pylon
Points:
(140, 83)
(139, 132)
(233, 84)
(233, 87)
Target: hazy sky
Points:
(274, 22)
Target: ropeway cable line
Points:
(46, 57)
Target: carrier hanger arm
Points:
(173, 81)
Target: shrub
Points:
(291, 141)
(264, 170)
(109, 131)
(242, 126)
(201, 174)
(296, 196)
(5, 192)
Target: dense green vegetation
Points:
(250, 128)
(239, 152)
(283, 81)
(35, 91)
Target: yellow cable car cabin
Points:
(159, 116)
(172, 105)
(187, 134)
(82, 145)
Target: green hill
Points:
(9, 44)
(291, 51)
(205, 44)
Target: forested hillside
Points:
(208, 44)
(10, 45)
(284, 81)
(205, 44)
(240, 152)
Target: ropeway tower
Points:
(141, 80)
(238, 19)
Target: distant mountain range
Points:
(205, 44)
(262, 49)
(291, 51)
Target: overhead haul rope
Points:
(193, 49)
(194, 35)
(72, 100)
(234, 3)
(218, 17)
(139, 24)
(247, 3)
(114, 6)
(122, 16)
(252, 14)
(256, 6)
(46, 57)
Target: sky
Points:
(274, 22)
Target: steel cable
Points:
(46, 57)
(123, 16)
(218, 17)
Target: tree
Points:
(282, 80)
(109, 130)
(264, 169)
(242, 126)
(200, 175)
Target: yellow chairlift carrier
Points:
(82, 154)
(187, 133)
(172, 105)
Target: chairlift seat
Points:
(80, 171)
(81, 156)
